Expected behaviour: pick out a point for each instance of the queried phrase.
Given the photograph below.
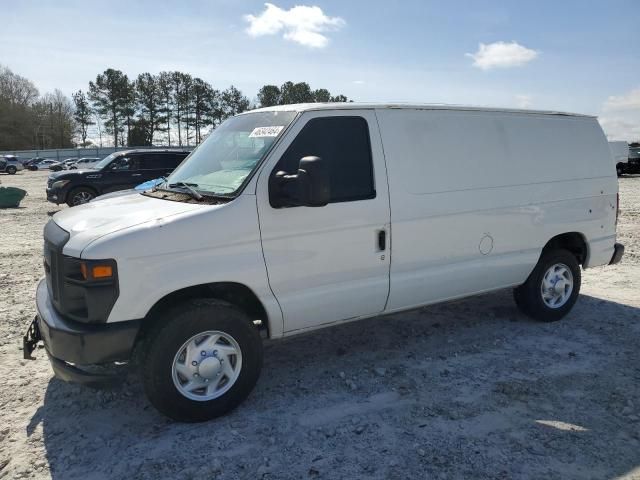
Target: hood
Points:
(88, 222)
(70, 173)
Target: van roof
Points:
(303, 107)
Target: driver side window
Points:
(125, 163)
(344, 144)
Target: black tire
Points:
(528, 296)
(619, 170)
(11, 170)
(177, 326)
(80, 195)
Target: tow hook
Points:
(30, 340)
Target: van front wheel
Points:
(202, 361)
(552, 288)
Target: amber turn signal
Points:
(102, 271)
(95, 272)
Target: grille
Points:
(54, 240)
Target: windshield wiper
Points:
(189, 187)
(155, 187)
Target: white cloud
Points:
(621, 129)
(628, 101)
(524, 101)
(501, 55)
(302, 24)
(621, 116)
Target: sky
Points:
(578, 56)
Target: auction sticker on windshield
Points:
(266, 131)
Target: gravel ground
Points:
(467, 389)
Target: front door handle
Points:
(136, 174)
(382, 240)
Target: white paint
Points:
(445, 177)
(323, 263)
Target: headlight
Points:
(59, 183)
(89, 289)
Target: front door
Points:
(331, 263)
(122, 173)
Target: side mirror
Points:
(310, 187)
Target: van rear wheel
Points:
(552, 288)
(202, 362)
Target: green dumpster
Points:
(11, 197)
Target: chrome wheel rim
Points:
(207, 365)
(557, 285)
(82, 197)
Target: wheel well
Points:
(236, 293)
(572, 241)
(87, 187)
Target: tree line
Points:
(166, 105)
(28, 119)
(172, 105)
(168, 108)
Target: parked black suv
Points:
(118, 171)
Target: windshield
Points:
(102, 163)
(224, 160)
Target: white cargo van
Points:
(298, 217)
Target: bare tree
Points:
(17, 96)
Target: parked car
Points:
(40, 163)
(10, 164)
(633, 165)
(85, 162)
(118, 171)
(32, 161)
(298, 217)
(70, 161)
(43, 164)
(620, 154)
(148, 185)
(62, 165)
(57, 166)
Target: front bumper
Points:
(55, 196)
(618, 251)
(70, 344)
